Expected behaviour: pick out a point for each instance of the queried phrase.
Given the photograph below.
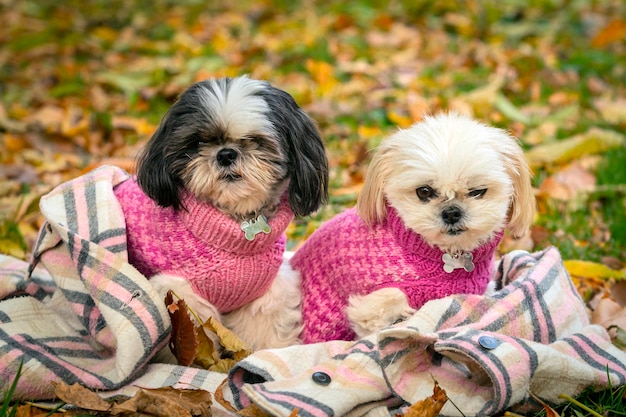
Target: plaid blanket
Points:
(80, 313)
(83, 313)
(488, 353)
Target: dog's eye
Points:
(477, 193)
(425, 193)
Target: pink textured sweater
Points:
(344, 257)
(202, 245)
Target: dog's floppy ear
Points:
(155, 173)
(308, 163)
(523, 205)
(371, 205)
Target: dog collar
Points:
(449, 262)
(254, 226)
(458, 260)
(214, 228)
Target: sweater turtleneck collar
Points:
(414, 242)
(219, 230)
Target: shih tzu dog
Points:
(436, 200)
(232, 162)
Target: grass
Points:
(8, 409)
(612, 176)
(591, 403)
(595, 225)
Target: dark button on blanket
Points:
(488, 342)
(321, 378)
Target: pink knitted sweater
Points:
(344, 257)
(202, 245)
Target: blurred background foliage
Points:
(84, 83)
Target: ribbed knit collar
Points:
(218, 230)
(414, 242)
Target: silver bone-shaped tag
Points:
(463, 260)
(253, 227)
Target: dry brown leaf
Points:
(81, 397)
(609, 313)
(167, 402)
(184, 339)
(32, 410)
(428, 407)
(149, 403)
(568, 183)
(252, 410)
(219, 397)
(510, 243)
(618, 292)
(612, 111)
(128, 164)
(49, 118)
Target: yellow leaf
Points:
(324, 74)
(369, 131)
(428, 407)
(105, 33)
(400, 119)
(208, 356)
(74, 123)
(14, 143)
(591, 142)
(613, 32)
(228, 339)
(223, 366)
(205, 352)
(12, 248)
(139, 125)
(588, 269)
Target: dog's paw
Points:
(182, 288)
(377, 310)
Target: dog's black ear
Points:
(308, 163)
(155, 173)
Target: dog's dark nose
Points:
(226, 156)
(451, 215)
